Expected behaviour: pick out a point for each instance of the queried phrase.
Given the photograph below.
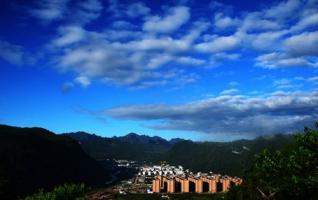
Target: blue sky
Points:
(201, 70)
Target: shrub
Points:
(63, 192)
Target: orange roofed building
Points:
(198, 184)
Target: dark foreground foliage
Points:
(63, 192)
(288, 174)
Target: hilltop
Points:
(34, 158)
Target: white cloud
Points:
(83, 81)
(175, 18)
(284, 9)
(304, 44)
(219, 44)
(226, 56)
(131, 55)
(223, 22)
(69, 35)
(273, 113)
(310, 7)
(14, 54)
(137, 9)
(49, 10)
(314, 79)
(11, 53)
(229, 91)
(268, 40)
(136, 64)
(115, 35)
(196, 30)
(121, 24)
(190, 60)
(80, 12)
(162, 43)
(255, 22)
(277, 60)
(85, 11)
(307, 21)
(284, 84)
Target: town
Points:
(165, 178)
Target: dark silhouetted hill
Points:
(34, 158)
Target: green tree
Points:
(291, 173)
(63, 192)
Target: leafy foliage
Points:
(291, 173)
(63, 192)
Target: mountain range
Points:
(34, 158)
(132, 146)
(231, 158)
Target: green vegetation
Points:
(33, 158)
(63, 192)
(291, 173)
(231, 158)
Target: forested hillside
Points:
(220, 157)
(33, 158)
(131, 147)
(223, 157)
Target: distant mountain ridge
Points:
(132, 138)
(132, 146)
(220, 157)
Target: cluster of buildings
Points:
(189, 183)
(126, 163)
(161, 170)
(172, 179)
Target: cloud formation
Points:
(230, 114)
(139, 46)
(175, 17)
(137, 9)
(132, 55)
(49, 10)
(72, 11)
(137, 63)
(14, 54)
